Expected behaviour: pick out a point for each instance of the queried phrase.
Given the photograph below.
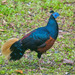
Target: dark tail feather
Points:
(17, 51)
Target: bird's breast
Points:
(49, 44)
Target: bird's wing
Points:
(36, 39)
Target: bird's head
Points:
(54, 14)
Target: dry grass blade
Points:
(2, 30)
(68, 61)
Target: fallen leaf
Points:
(1, 14)
(4, 1)
(60, 36)
(63, 32)
(12, 25)
(19, 71)
(2, 30)
(68, 61)
(31, 8)
(4, 22)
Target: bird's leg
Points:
(40, 64)
(39, 56)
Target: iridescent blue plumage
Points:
(35, 39)
(52, 27)
(38, 38)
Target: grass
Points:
(18, 17)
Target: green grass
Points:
(18, 17)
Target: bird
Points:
(39, 40)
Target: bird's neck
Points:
(52, 27)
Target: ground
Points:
(18, 17)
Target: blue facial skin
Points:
(55, 15)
